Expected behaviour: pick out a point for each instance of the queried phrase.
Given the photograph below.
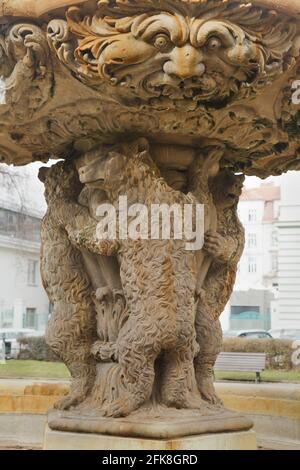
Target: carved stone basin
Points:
(184, 72)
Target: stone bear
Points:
(225, 246)
(71, 329)
(159, 279)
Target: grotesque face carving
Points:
(165, 53)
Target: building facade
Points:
(254, 297)
(288, 226)
(23, 301)
(258, 212)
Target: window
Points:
(249, 311)
(252, 215)
(6, 318)
(239, 312)
(252, 264)
(30, 318)
(17, 225)
(252, 240)
(32, 272)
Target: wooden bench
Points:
(242, 362)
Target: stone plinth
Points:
(56, 440)
(164, 430)
(159, 423)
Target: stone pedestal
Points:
(57, 440)
(156, 429)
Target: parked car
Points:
(11, 337)
(285, 334)
(250, 334)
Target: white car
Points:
(250, 334)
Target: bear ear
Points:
(43, 171)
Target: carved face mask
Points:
(192, 54)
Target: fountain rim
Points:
(38, 8)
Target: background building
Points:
(258, 212)
(287, 314)
(23, 301)
(267, 290)
(252, 302)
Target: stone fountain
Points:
(166, 102)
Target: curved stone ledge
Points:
(56, 102)
(268, 399)
(37, 8)
(33, 8)
(30, 396)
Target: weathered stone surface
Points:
(160, 424)
(28, 397)
(163, 101)
(55, 440)
(240, 95)
(128, 336)
(282, 400)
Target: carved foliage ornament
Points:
(25, 69)
(202, 52)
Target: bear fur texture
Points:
(159, 278)
(225, 246)
(71, 329)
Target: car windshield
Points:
(255, 334)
